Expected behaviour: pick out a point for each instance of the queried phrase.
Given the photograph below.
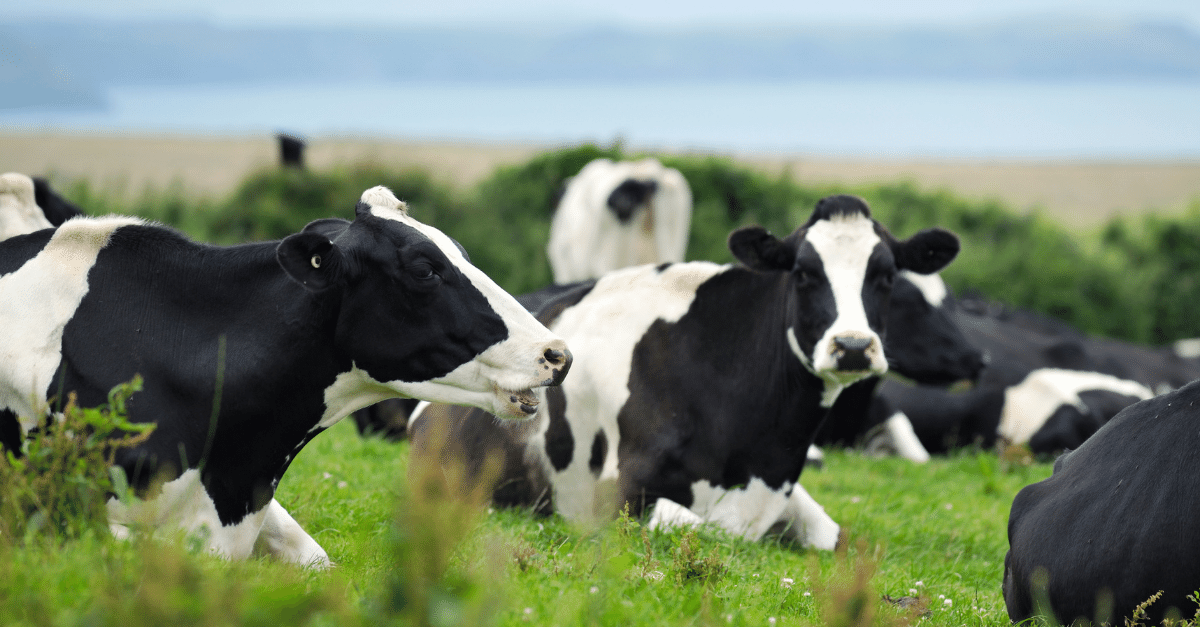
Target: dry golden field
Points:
(1079, 194)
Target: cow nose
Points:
(558, 359)
(852, 352)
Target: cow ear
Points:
(759, 250)
(927, 252)
(311, 260)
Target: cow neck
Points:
(747, 314)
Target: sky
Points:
(630, 13)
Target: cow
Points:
(703, 385)
(19, 210)
(615, 214)
(1112, 525)
(303, 332)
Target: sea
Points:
(864, 118)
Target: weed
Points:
(57, 485)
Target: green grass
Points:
(938, 529)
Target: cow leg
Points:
(184, 504)
(282, 537)
(668, 513)
(896, 436)
(807, 523)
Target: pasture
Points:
(405, 554)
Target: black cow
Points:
(702, 385)
(305, 331)
(1113, 525)
(1046, 384)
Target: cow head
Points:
(841, 265)
(417, 319)
(924, 342)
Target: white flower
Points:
(912, 592)
(327, 475)
(920, 584)
(941, 596)
(807, 594)
(787, 582)
(342, 484)
(771, 620)
(594, 590)
(949, 505)
(855, 499)
(528, 611)
(947, 603)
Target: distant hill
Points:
(61, 62)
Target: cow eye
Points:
(422, 272)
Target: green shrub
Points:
(57, 485)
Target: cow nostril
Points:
(555, 357)
(852, 344)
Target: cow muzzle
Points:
(553, 366)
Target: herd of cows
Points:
(695, 393)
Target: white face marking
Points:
(587, 240)
(491, 379)
(602, 331)
(845, 244)
(19, 212)
(1029, 404)
(31, 345)
(931, 285)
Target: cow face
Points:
(841, 266)
(923, 342)
(417, 319)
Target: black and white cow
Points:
(1046, 384)
(615, 214)
(698, 388)
(310, 328)
(1114, 524)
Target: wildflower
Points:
(787, 582)
(594, 589)
(947, 603)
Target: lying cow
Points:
(310, 329)
(1113, 525)
(703, 385)
(615, 214)
(1047, 384)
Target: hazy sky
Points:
(614, 12)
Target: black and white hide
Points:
(615, 214)
(1114, 524)
(313, 327)
(698, 388)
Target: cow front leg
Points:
(668, 514)
(806, 522)
(282, 537)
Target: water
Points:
(852, 118)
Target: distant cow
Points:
(698, 388)
(1115, 522)
(305, 331)
(618, 214)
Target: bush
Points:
(57, 485)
